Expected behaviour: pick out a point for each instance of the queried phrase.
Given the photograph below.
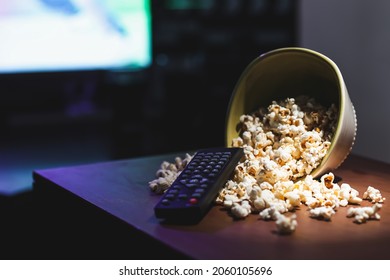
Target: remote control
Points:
(195, 189)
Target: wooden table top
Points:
(121, 189)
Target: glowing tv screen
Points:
(60, 35)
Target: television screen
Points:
(60, 35)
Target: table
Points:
(120, 189)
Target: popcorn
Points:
(362, 214)
(167, 174)
(241, 210)
(327, 180)
(323, 212)
(349, 194)
(374, 195)
(161, 184)
(286, 225)
(269, 197)
(259, 204)
(293, 199)
(270, 213)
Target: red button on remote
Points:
(193, 201)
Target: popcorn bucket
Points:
(289, 72)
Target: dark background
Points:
(178, 104)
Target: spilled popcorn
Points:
(322, 212)
(167, 174)
(282, 145)
(362, 214)
(286, 225)
(373, 195)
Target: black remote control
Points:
(193, 192)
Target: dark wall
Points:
(200, 49)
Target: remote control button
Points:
(191, 185)
(212, 175)
(204, 180)
(165, 202)
(183, 181)
(199, 190)
(176, 187)
(170, 196)
(196, 195)
(193, 181)
(193, 201)
(183, 196)
(173, 191)
(197, 176)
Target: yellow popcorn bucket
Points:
(289, 72)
